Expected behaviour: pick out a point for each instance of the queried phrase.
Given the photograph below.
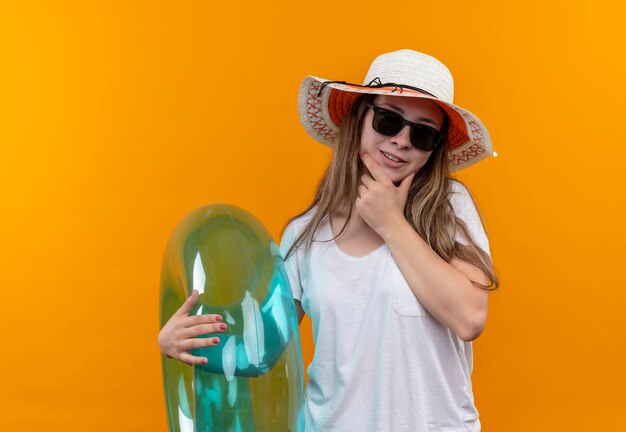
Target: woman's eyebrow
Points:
(423, 119)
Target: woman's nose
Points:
(403, 138)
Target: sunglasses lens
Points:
(387, 122)
(424, 138)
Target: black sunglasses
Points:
(423, 137)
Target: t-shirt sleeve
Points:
(466, 211)
(292, 264)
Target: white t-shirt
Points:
(381, 362)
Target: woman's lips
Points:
(388, 162)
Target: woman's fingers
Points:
(192, 360)
(195, 343)
(367, 180)
(190, 344)
(179, 335)
(202, 319)
(203, 329)
(188, 305)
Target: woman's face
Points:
(399, 147)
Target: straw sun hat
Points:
(323, 104)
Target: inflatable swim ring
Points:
(253, 380)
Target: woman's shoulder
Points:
(465, 209)
(464, 205)
(460, 197)
(298, 224)
(457, 187)
(302, 220)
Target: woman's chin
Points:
(398, 179)
(393, 175)
(396, 176)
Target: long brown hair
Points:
(427, 207)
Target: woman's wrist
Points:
(395, 226)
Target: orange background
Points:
(119, 118)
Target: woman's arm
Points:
(445, 289)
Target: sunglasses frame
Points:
(438, 135)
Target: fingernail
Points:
(223, 326)
(218, 318)
(216, 340)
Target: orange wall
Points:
(118, 118)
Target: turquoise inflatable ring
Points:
(254, 378)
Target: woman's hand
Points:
(381, 203)
(179, 335)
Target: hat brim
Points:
(468, 139)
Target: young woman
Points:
(390, 261)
